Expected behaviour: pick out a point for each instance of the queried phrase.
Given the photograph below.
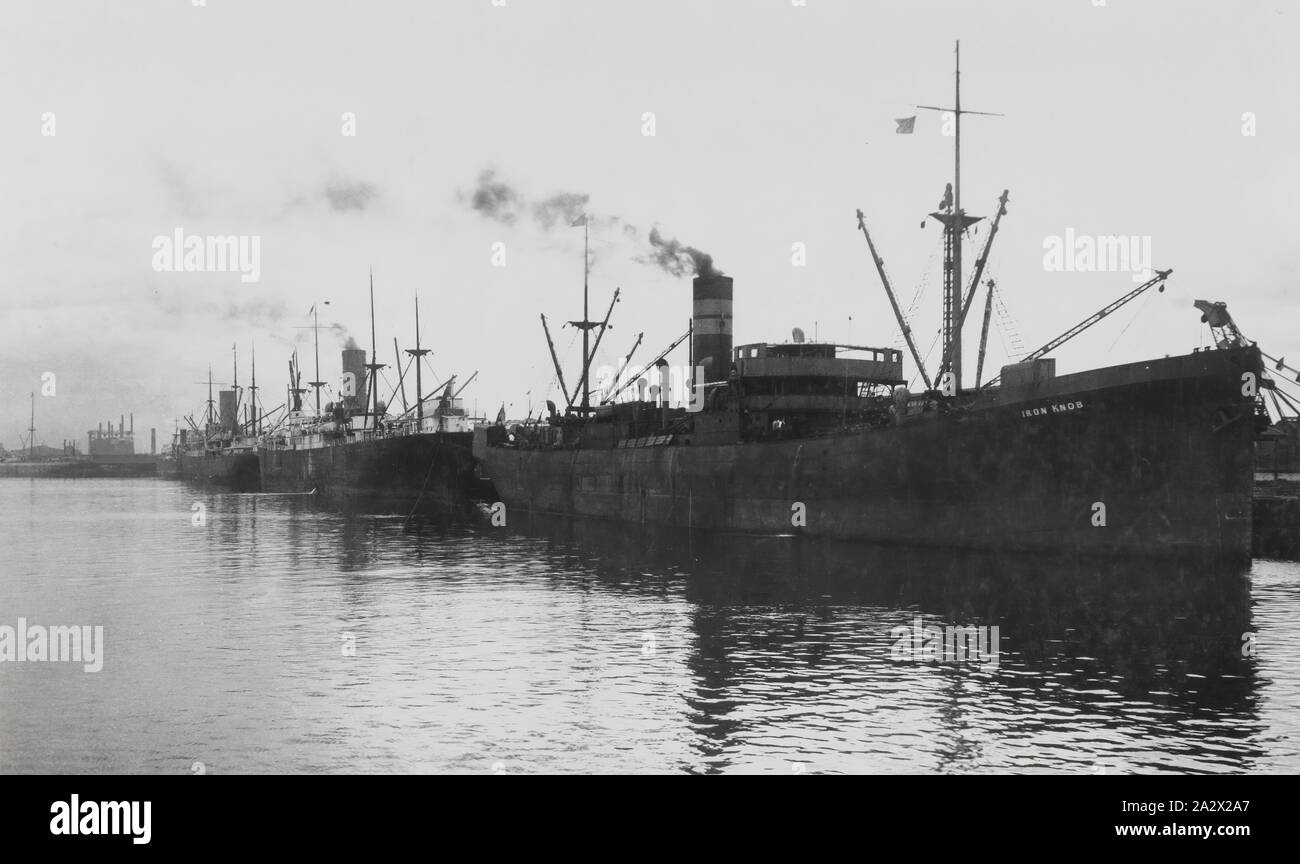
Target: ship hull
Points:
(429, 473)
(233, 470)
(1151, 458)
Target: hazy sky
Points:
(773, 123)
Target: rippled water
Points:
(553, 647)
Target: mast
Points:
(315, 326)
(604, 325)
(252, 396)
(207, 426)
(374, 365)
(953, 303)
(586, 330)
(418, 352)
(234, 420)
(585, 324)
(31, 431)
(955, 222)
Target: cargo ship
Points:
(222, 453)
(825, 440)
(355, 455)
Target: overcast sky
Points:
(772, 122)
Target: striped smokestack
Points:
(711, 340)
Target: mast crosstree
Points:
(955, 222)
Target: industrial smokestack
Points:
(711, 340)
(153, 441)
(121, 424)
(133, 424)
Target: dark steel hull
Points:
(430, 473)
(233, 470)
(169, 468)
(1166, 447)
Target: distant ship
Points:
(353, 454)
(1150, 458)
(222, 453)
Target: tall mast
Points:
(953, 318)
(234, 420)
(954, 298)
(418, 352)
(955, 222)
(585, 324)
(31, 431)
(586, 329)
(315, 326)
(374, 365)
(252, 396)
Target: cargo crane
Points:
(627, 359)
(1226, 334)
(893, 301)
(984, 333)
(1222, 327)
(644, 369)
(1158, 279)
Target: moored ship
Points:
(355, 455)
(223, 452)
(824, 439)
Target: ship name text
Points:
(1054, 408)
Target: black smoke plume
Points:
(677, 259)
(496, 199)
(562, 209)
(500, 201)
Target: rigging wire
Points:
(1137, 313)
(926, 358)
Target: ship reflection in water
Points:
(283, 636)
(822, 655)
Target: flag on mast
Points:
(906, 125)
